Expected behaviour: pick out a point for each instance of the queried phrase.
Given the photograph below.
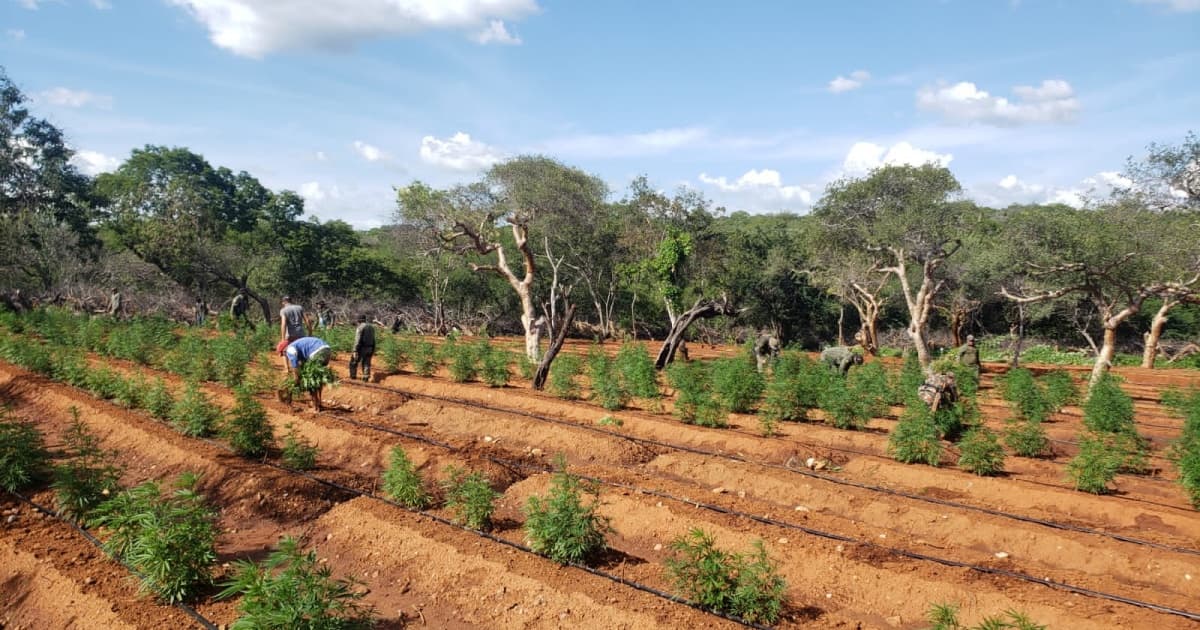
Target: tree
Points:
(905, 218)
(520, 194)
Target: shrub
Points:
(194, 414)
(103, 382)
(158, 400)
(981, 452)
(1024, 394)
(638, 376)
(70, 366)
(1108, 408)
(908, 379)
(392, 353)
(737, 383)
(23, 456)
(694, 403)
(945, 617)
(870, 381)
(606, 385)
(128, 392)
(850, 403)
(495, 367)
(526, 367)
(1187, 458)
(230, 355)
(747, 586)
(1060, 389)
(292, 590)
(966, 378)
(298, 453)
(563, 376)
(915, 438)
(168, 539)
(768, 424)
(402, 482)
(425, 360)
(246, 427)
(464, 359)
(794, 388)
(610, 421)
(1027, 438)
(1096, 464)
(563, 527)
(470, 497)
(88, 474)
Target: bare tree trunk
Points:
(841, 324)
(1104, 357)
(1155, 333)
(703, 309)
(1018, 333)
(556, 344)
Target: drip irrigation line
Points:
(200, 619)
(813, 474)
(1016, 575)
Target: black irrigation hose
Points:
(824, 477)
(200, 619)
(787, 525)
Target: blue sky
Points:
(757, 104)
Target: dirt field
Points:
(866, 542)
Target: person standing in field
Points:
(766, 349)
(968, 355)
(291, 321)
(363, 350)
(239, 307)
(324, 315)
(841, 358)
(116, 304)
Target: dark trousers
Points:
(363, 358)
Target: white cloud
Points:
(761, 187)
(1051, 102)
(32, 5)
(1012, 189)
(93, 162)
(843, 84)
(15, 34)
(864, 157)
(66, 97)
(254, 28)
(496, 32)
(654, 142)
(1178, 6)
(368, 152)
(102, 4)
(313, 192)
(320, 155)
(459, 152)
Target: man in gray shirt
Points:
(291, 321)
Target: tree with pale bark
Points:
(517, 196)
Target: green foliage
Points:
(768, 425)
(392, 353)
(246, 426)
(1027, 438)
(638, 376)
(495, 368)
(606, 384)
(87, 474)
(315, 375)
(915, 438)
(1185, 452)
(23, 455)
(981, 452)
(563, 527)
(168, 539)
(194, 414)
(745, 585)
(463, 359)
(1108, 408)
(526, 367)
(158, 400)
(966, 379)
(291, 590)
(424, 358)
(402, 482)
(298, 453)
(192, 358)
(945, 617)
(564, 374)
(907, 380)
(128, 392)
(1024, 395)
(70, 366)
(470, 497)
(1060, 389)
(102, 382)
(737, 383)
(870, 381)
(694, 402)
(609, 421)
(231, 356)
(850, 403)
(795, 387)
(1097, 463)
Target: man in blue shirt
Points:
(302, 351)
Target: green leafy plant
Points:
(470, 497)
(980, 452)
(495, 368)
(194, 414)
(87, 474)
(158, 400)
(425, 359)
(70, 366)
(246, 426)
(849, 404)
(606, 384)
(392, 353)
(298, 453)
(561, 525)
(402, 482)
(168, 539)
(907, 380)
(231, 356)
(1185, 452)
(463, 359)
(694, 402)
(636, 368)
(794, 388)
(610, 421)
(945, 617)
(103, 382)
(292, 590)
(315, 375)
(1060, 389)
(1026, 438)
(737, 383)
(1108, 408)
(563, 380)
(526, 367)
(23, 455)
(747, 586)
(1024, 395)
(915, 438)
(1097, 464)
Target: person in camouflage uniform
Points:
(938, 390)
(968, 355)
(841, 358)
(766, 349)
(363, 349)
